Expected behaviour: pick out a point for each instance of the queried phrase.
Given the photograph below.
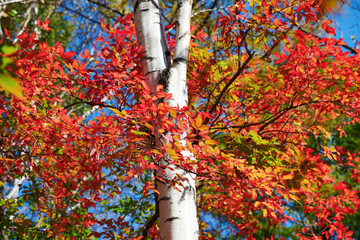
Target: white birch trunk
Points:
(177, 209)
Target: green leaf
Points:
(5, 62)
(11, 85)
(8, 49)
(13, 13)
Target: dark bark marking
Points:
(150, 72)
(167, 53)
(164, 79)
(164, 199)
(171, 219)
(179, 60)
(148, 58)
(137, 3)
(188, 190)
(182, 36)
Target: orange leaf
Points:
(254, 194)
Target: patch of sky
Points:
(347, 22)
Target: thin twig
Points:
(80, 14)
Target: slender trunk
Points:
(177, 209)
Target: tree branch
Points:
(228, 84)
(352, 50)
(153, 219)
(16, 1)
(105, 6)
(274, 117)
(91, 104)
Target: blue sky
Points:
(347, 22)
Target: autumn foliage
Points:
(265, 99)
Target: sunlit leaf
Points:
(10, 85)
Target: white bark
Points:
(14, 193)
(149, 35)
(177, 209)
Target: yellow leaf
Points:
(265, 213)
(286, 196)
(117, 112)
(11, 85)
(172, 112)
(324, 131)
(155, 151)
(172, 153)
(71, 67)
(251, 3)
(268, 170)
(294, 197)
(116, 235)
(288, 176)
(148, 125)
(211, 142)
(198, 121)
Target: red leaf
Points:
(328, 29)
(44, 25)
(168, 97)
(6, 32)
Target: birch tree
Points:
(177, 207)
